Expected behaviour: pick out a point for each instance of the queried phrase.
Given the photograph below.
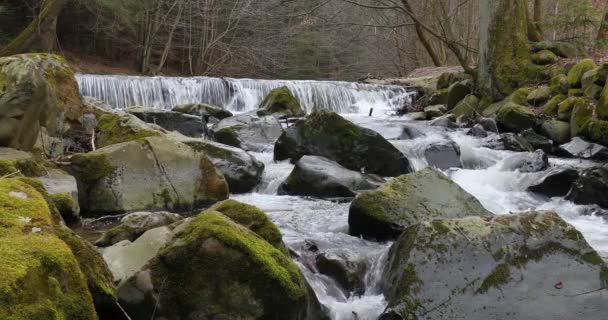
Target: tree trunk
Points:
(41, 30)
(422, 37)
(504, 50)
(535, 30)
(601, 42)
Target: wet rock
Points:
(390, 315)
(556, 183)
(497, 262)
(206, 259)
(590, 187)
(557, 131)
(134, 225)
(410, 132)
(446, 121)
(488, 124)
(242, 171)
(508, 141)
(417, 116)
(328, 135)
(515, 118)
(248, 131)
(537, 141)
(186, 124)
(63, 192)
(457, 92)
(320, 177)
(281, 102)
(477, 131)
(155, 173)
(406, 200)
(443, 155)
(435, 111)
(527, 162)
(580, 148)
(467, 109)
(345, 267)
(205, 110)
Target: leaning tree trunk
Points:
(41, 30)
(422, 36)
(504, 50)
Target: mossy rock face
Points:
(596, 131)
(544, 57)
(519, 97)
(566, 107)
(281, 101)
(252, 218)
(515, 118)
(154, 173)
(409, 199)
(575, 75)
(118, 127)
(435, 111)
(468, 108)
(560, 48)
(602, 105)
(36, 90)
(539, 95)
(23, 208)
(328, 135)
(557, 131)
(201, 109)
(550, 108)
(559, 84)
(439, 97)
(217, 268)
(446, 79)
(497, 259)
(582, 112)
(457, 92)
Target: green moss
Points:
(252, 218)
(514, 117)
(566, 107)
(280, 100)
(42, 280)
(544, 57)
(329, 123)
(22, 208)
(576, 93)
(30, 168)
(408, 284)
(229, 136)
(64, 203)
(559, 84)
(596, 130)
(551, 107)
(440, 227)
(499, 276)
(92, 166)
(116, 129)
(575, 74)
(7, 167)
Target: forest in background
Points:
(289, 39)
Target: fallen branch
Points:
(10, 174)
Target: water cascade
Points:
(238, 94)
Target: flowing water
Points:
(305, 221)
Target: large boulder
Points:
(443, 155)
(205, 110)
(575, 75)
(409, 199)
(468, 108)
(537, 141)
(242, 171)
(557, 131)
(320, 177)
(280, 101)
(186, 124)
(580, 148)
(555, 183)
(544, 57)
(248, 131)
(329, 135)
(117, 127)
(591, 187)
(154, 173)
(515, 118)
(596, 130)
(36, 91)
(534, 255)
(216, 268)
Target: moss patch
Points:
(596, 131)
(575, 74)
(500, 276)
(116, 129)
(280, 100)
(229, 136)
(92, 166)
(22, 208)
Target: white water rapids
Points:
(324, 223)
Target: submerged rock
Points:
(435, 111)
(248, 131)
(556, 183)
(443, 155)
(409, 199)
(320, 177)
(345, 267)
(527, 162)
(498, 260)
(155, 173)
(580, 148)
(410, 132)
(134, 225)
(446, 121)
(280, 101)
(591, 187)
(186, 124)
(329, 135)
(507, 141)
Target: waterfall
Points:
(239, 94)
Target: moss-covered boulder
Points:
(602, 105)
(515, 118)
(201, 109)
(328, 135)
(582, 112)
(19, 163)
(36, 90)
(565, 108)
(216, 268)
(248, 131)
(117, 127)
(468, 108)
(560, 48)
(596, 131)
(154, 173)
(519, 97)
(242, 171)
(575, 75)
(409, 199)
(435, 111)
(438, 97)
(457, 92)
(446, 79)
(508, 141)
(539, 95)
(63, 193)
(320, 177)
(544, 57)
(498, 259)
(557, 131)
(550, 107)
(559, 84)
(282, 102)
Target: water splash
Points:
(239, 94)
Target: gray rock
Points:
(556, 183)
(206, 110)
(347, 268)
(558, 131)
(409, 199)
(507, 141)
(446, 121)
(591, 187)
(186, 124)
(63, 192)
(410, 132)
(580, 148)
(523, 266)
(457, 92)
(488, 124)
(435, 111)
(134, 225)
(321, 177)
(443, 155)
(477, 131)
(527, 162)
(417, 116)
(248, 131)
(539, 95)
(537, 141)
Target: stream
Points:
(324, 224)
